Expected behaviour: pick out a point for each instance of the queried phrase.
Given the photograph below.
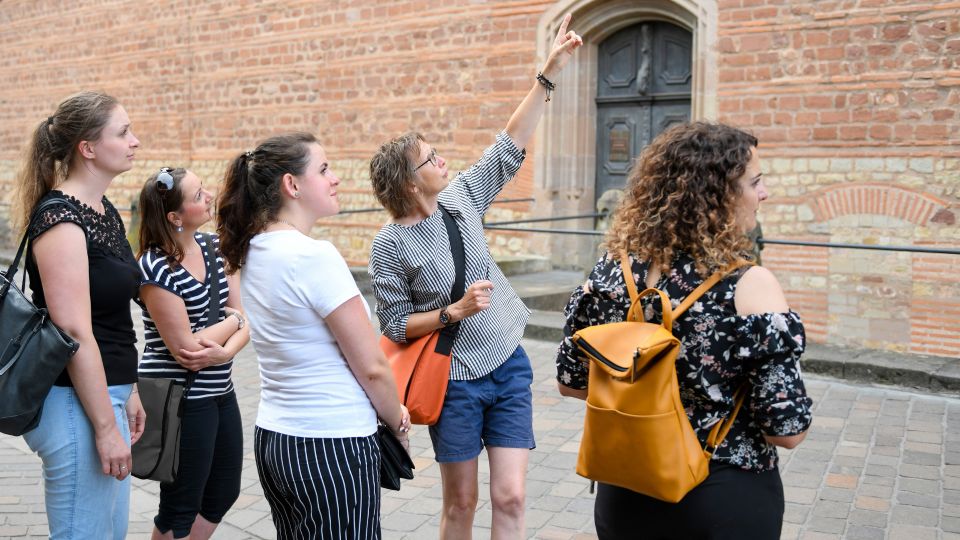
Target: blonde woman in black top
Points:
(83, 272)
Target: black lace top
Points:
(720, 351)
(114, 282)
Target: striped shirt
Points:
(157, 362)
(411, 267)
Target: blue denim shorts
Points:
(494, 410)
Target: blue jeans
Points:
(81, 501)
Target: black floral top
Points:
(720, 351)
(114, 281)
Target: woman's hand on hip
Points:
(475, 300)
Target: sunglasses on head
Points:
(165, 179)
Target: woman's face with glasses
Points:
(431, 171)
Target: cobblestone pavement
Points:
(878, 463)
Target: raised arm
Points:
(66, 288)
(524, 120)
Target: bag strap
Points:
(213, 307)
(719, 430)
(24, 242)
(706, 285)
(669, 315)
(449, 334)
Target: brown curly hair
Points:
(681, 195)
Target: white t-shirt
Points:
(289, 283)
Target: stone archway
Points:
(565, 151)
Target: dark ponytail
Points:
(53, 146)
(250, 198)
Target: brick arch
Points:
(876, 199)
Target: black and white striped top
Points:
(157, 361)
(411, 267)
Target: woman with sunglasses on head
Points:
(488, 400)
(175, 295)
(83, 272)
(323, 379)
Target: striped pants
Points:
(320, 488)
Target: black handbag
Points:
(34, 350)
(395, 462)
(156, 456)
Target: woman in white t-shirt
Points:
(323, 378)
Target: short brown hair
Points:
(391, 172)
(681, 195)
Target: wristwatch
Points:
(445, 316)
(241, 322)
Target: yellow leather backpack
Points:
(636, 433)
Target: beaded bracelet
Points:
(549, 86)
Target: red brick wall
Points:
(854, 101)
(855, 105)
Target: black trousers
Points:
(211, 461)
(730, 504)
(320, 488)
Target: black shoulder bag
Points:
(34, 350)
(156, 456)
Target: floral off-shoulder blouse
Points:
(720, 351)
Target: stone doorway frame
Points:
(565, 149)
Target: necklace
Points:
(291, 225)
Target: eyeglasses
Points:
(432, 159)
(165, 179)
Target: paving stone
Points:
(837, 494)
(950, 524)
(826, 524)
(910, 532)
(860, 532)
(795, 513)
(916, 499)
(872, 503)
(920, 471)
(831, 509)
(914, 515)
(916, 485)
(868, 518)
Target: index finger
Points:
(563, 26)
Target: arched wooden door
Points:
(643, 86)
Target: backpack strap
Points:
(635, 312)
(706, 285)
(719, 430)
